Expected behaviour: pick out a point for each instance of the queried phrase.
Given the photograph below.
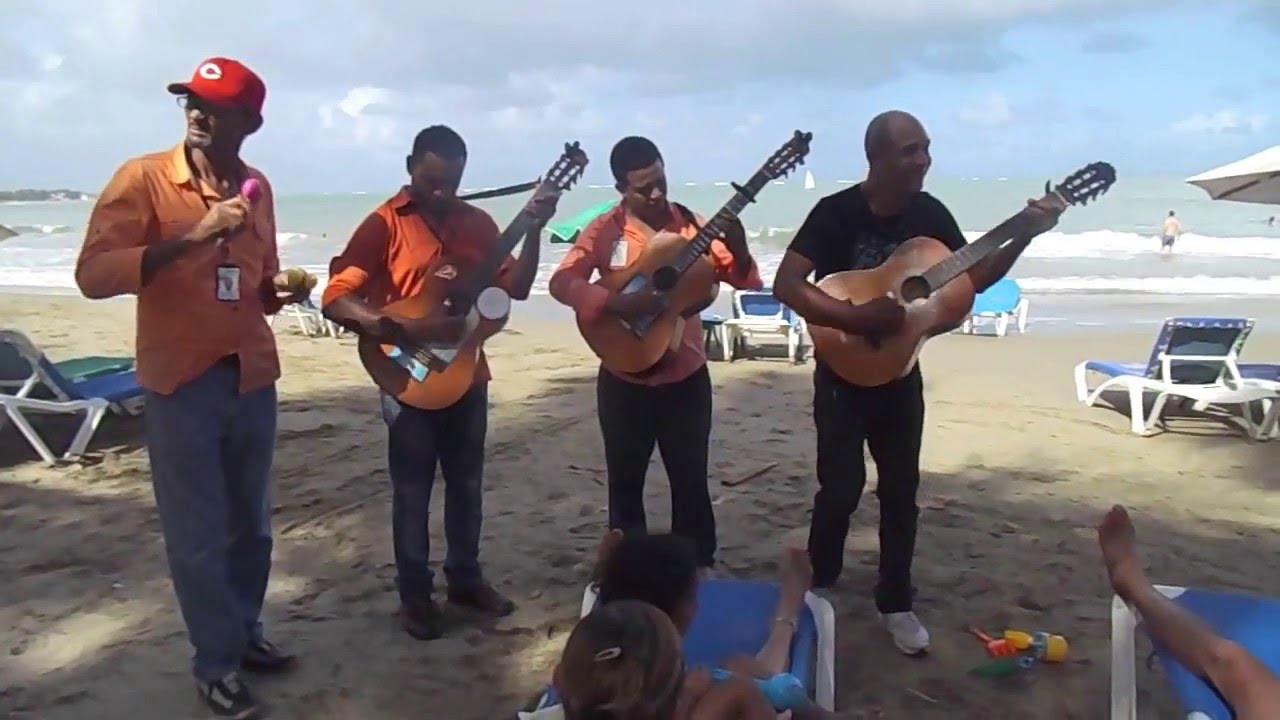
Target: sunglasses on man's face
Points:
(194, 102)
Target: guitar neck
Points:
(484, 274)
(965, 258)
(715, 227)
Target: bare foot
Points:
(607, 545)
(795, 576)
(1117, 539)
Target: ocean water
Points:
(1101, 257)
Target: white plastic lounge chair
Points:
(1245, 619)
(1266, 375)
(310, 320)
(93, 395)
(1194, 358)
(757, 314)
(1001, 304)
(715, 337)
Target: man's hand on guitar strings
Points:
(434, 328)
(876, 319)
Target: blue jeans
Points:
(211, 451)
(418, 440)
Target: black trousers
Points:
(676, 418)
(889, 420)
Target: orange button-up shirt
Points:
(182, 328)
(612, 242)
(388, 255)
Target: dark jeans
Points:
(211, 449)
(677, 418)
(889, 419)
(417, 440)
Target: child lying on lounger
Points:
(661, 569)
(1249, 687)
(623, 662)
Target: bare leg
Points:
(795, 577)
(1248, 685)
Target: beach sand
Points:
(1016, 473)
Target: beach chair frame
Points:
(824, 616)
(786, 325)
(67, 400)
(1001, 319)
(311, 320)
(1124, 660)
(93, 408)
(1229, 388)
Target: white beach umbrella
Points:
(1255, 179)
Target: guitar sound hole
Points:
(915, 288)
(665, 278)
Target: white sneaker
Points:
(908, 634)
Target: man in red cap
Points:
(176, 229)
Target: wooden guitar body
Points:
(933, 285)
(451, 368)
(639, 345)
(929, 313)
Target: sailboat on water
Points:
(809, 182)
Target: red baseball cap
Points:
(226, 82)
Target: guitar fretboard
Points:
(720, 222)
(962, 260)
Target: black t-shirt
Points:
(842, 234)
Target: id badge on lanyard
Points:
(226, 278)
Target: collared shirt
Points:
(612, 242)
(182, 328)
(388, 255)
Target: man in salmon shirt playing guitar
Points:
(387, 260)
(671, 405)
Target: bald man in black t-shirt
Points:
(857, 229)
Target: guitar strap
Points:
(688, 215)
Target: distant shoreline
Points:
(31, 195)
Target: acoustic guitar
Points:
(933, 285)
(680, 270)
(436, 375)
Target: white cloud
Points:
(357, 80)
(991, 110)
(1222, 122)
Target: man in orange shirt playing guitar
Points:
(386, 261)
(670, 405)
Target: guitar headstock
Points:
(788, 157)
(1085, 184)
(567, 170)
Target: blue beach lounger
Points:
(735, 617)
(1248, 620)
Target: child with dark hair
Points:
(661, 569)
(623, 662)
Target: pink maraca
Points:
(251, 188)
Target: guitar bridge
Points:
(640, 325)
(419, 362)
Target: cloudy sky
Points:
(1006, 87)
